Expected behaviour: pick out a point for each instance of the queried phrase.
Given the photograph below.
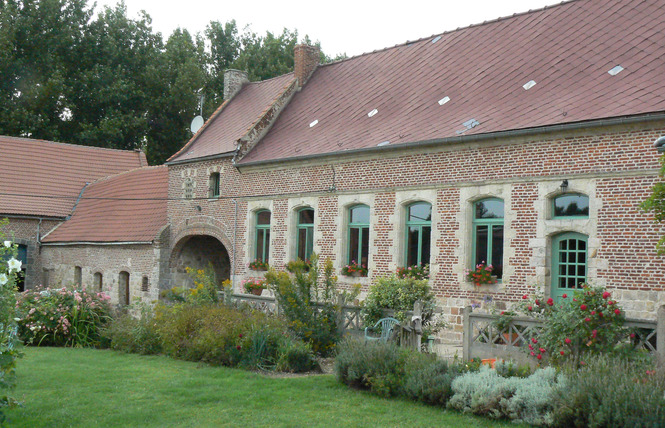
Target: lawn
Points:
(85, 387)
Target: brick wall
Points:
(614, 167)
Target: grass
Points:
(100, 388)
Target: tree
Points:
(656, 204)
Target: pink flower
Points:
(587, 319)
(593, 312)
(533, 354)
(583, 307)
(617, 311)
(564, 296)
(632, 335)
(568, 341)
(594, 333)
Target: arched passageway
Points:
(197, 252)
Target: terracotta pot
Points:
(511, 338)
(257, 291)
(488, 362)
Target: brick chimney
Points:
(306, 59)
(233, 81)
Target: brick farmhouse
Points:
(526, 143)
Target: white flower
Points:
(14, 265)
(8, 244)
(3, 279)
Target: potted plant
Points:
(419, 272)
(254, 286)
(482, 274)
(502, 324)
(354, 269)
(259, 265)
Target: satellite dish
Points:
(197, 123)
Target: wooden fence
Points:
(482, 338)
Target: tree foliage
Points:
(656, 204)
(108, 80)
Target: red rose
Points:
(240, 335)
(533, 354)
(238, 347)
(632, 335)
(534, 340)
(550, 301)
(593, 312)
(537, 302)
(568, 341)
(525, 297)
(587, 319)
(606, 295)
(564, 296)
(530, 308)
(583, 307)
(503, 312)
(539, 356)
(610, 302)
(531, 346)
(594, 333)
(542, 350)
(600, 314)
(617, 311)
(562, 353)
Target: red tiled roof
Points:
(128, 207)
(566, 49)
(233, 119)
(43, 178)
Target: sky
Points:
(343, 26)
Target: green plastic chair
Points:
(387, 325)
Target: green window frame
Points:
(418, 229)
(570, 206)
(358, 235)
(214, 185)
(569, 263)
(488, 216)
(262, 230)
(305, 233)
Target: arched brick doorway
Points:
(197, 252)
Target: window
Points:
(262, 236)
(305, 234)
(145, 284)
(359, 235)
(77, 276)
(418, 233)
(123, 288)
(97, 280)
(189, 188)
(488, 234)
(570, 205)
(23, 257)
(214, 185)
(569, 262)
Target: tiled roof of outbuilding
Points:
(43, 178)
(233, 119)
(476, 80)
(128, 207)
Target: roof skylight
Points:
(471, 123)
(383, 143)
(436, 39)
(615, 70)
(444, 100)
(372, 113)
(314, 123)
(528, 85)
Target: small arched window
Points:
(123, 288)
(570, 205)
(262, 246)
(305, 234)
(358, 251)
(418, 233)
(97, 279)
(488, 234)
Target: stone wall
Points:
(614, 167)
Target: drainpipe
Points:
(235, 227)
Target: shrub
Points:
(399, 294)
(62, 317)
(525, 400)
(222, 335)
(295, 357)
(311, 309)
(587, 323)
(9, 342)
(611, 392)
(431, 383)
(133, 334)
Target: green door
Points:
(569, 263)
